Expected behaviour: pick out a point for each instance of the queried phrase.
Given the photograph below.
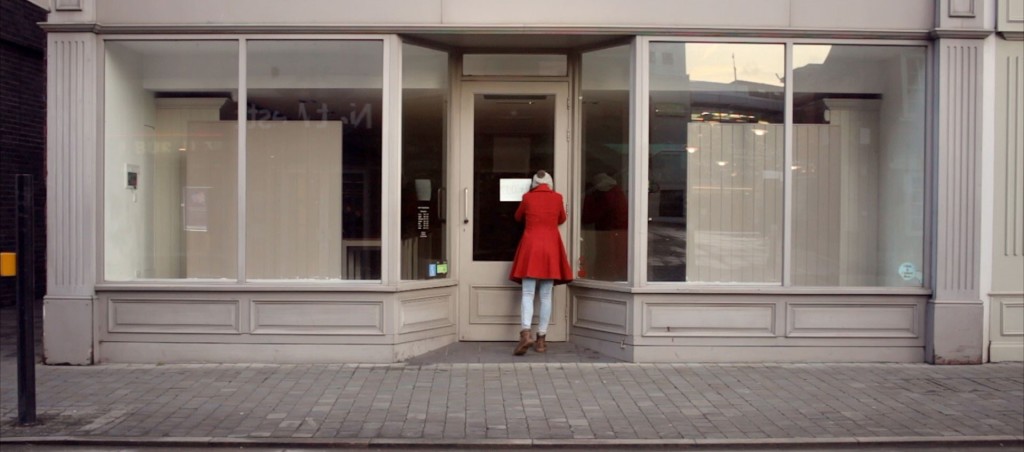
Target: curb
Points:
(416, 443)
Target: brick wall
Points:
(22, 128)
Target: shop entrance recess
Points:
(509, 130)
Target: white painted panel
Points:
(852, 320)
(862, 14)
(173, 316)
(709, 319)
(267, 12)
(893, 354)
(762, 13)
(1014, 10)
(294, 200)
(601, 314)
(494, 304)
(211, 250)
(1007, 332)
(169, 153)
(167, 353)
(500, 305)
(841, 14)
(317, 317)
(68, 331)
(1013, 319)
(426, 313)
(961, 8)
(734, 203)
(835, 189)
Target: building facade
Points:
(334, 181)
(22, 130)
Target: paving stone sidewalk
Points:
(583, 400)
(522, 401)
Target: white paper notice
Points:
(512, 190)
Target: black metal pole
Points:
(26, 305)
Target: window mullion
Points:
(242, 127)
(787, 171)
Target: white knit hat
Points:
(604, 182)
(542, 177)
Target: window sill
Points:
(672, 288)
(259, 286)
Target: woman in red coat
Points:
(540, 261)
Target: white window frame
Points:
(390, 149)
(642, 155)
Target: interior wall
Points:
(901, 170)
(128, 133)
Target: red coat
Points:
(541, 253)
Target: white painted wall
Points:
(128, 131)
(835, 14)
(901, 170)
(881, 176)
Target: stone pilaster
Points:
(1006, 330)
(72, 124)
(955, 313)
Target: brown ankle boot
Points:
(542, 344)
(524, 343)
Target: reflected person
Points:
(606, 212)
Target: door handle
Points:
(465, 206)
(442, 216)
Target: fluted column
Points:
(1007, 294)
(955, 313)
(71, 151)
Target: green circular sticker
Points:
(908, 271)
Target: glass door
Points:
(509, 131)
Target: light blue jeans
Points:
(529, 287)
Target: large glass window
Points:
(424, 144)
(170, 160)
(715, 188)
(313, 159)
(604, 228)
(858, 165)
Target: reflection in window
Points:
(858, 165)
(424, 143)
(604, 218)
(513, 136)
(170, 160)
(716, 162)
(313, 159)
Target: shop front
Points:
(336, 181)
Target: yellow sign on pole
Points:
(8, 264)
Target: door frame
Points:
(461, 208)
